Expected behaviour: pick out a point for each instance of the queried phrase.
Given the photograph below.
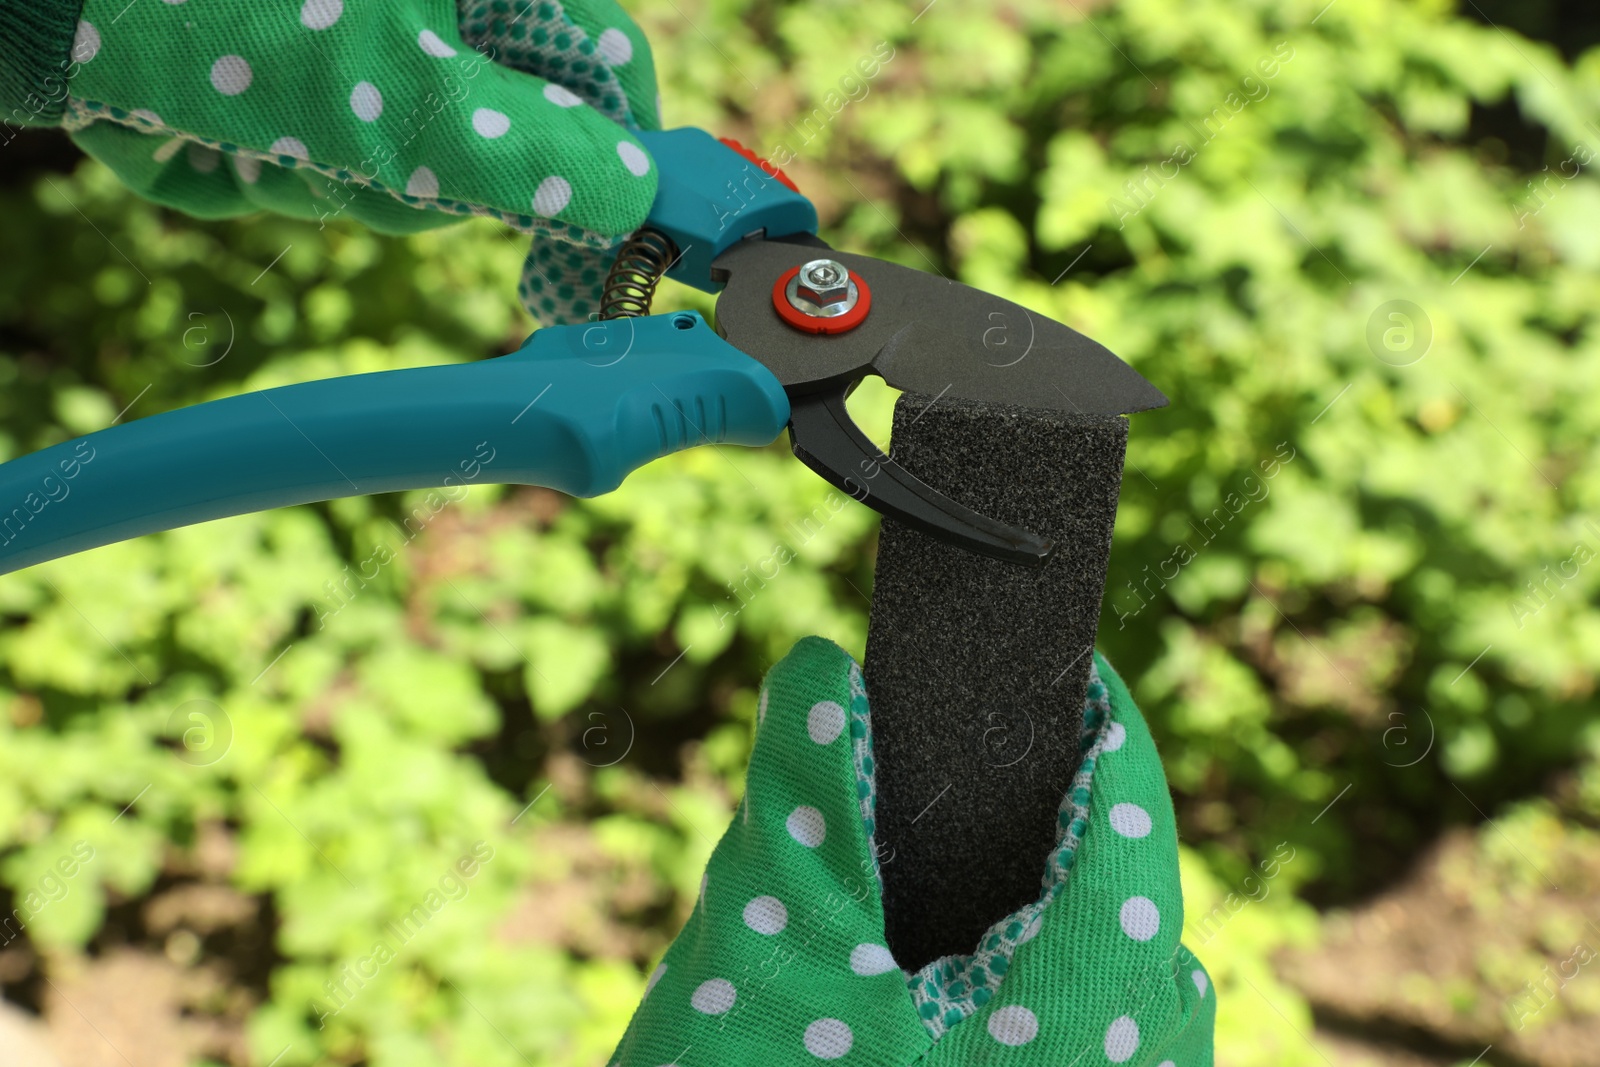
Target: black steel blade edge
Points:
(826, 439)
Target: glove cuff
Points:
(36, 44)
(785, 960)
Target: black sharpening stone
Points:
(977, 668)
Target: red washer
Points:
(811, 323)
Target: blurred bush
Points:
(1353, 242)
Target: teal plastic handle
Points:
(710, 198)
(575, 409)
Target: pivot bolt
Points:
(823, 288)
(821, 296)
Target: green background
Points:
(279, 733)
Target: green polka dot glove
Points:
(784, 961)
(403, 114)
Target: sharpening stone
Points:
(977, 669)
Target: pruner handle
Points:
(575, 409)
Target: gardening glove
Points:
(403, 114)
(784, 960)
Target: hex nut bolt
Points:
(823, 289)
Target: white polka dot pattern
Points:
(766, 915)
(1116, 733)
(290, 146)
(1140, 918)
(828, 1039)
(713, 997)
(231, 75)
(634, 158)
(85, 43)
(366, 101)
(1122, 1039)
(434, 45)
(868, 959)
(423, 182)
(561, 96)
(319, 14)
(614, 47)
(202, 158)
(553, 194)
(842, 997)
(825, 722)
(1013, 1025)
(1130, 820)
(806, 825)
(490, 123)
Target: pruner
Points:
(578, 407)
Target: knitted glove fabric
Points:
(784, 960)
(403, 115)
(36, 38)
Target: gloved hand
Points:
(322, 108)
(784, 960)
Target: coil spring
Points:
(631, 282)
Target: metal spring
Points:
(631, 283)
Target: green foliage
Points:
(1320, 578)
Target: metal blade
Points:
(925, 334)
(827, 440)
